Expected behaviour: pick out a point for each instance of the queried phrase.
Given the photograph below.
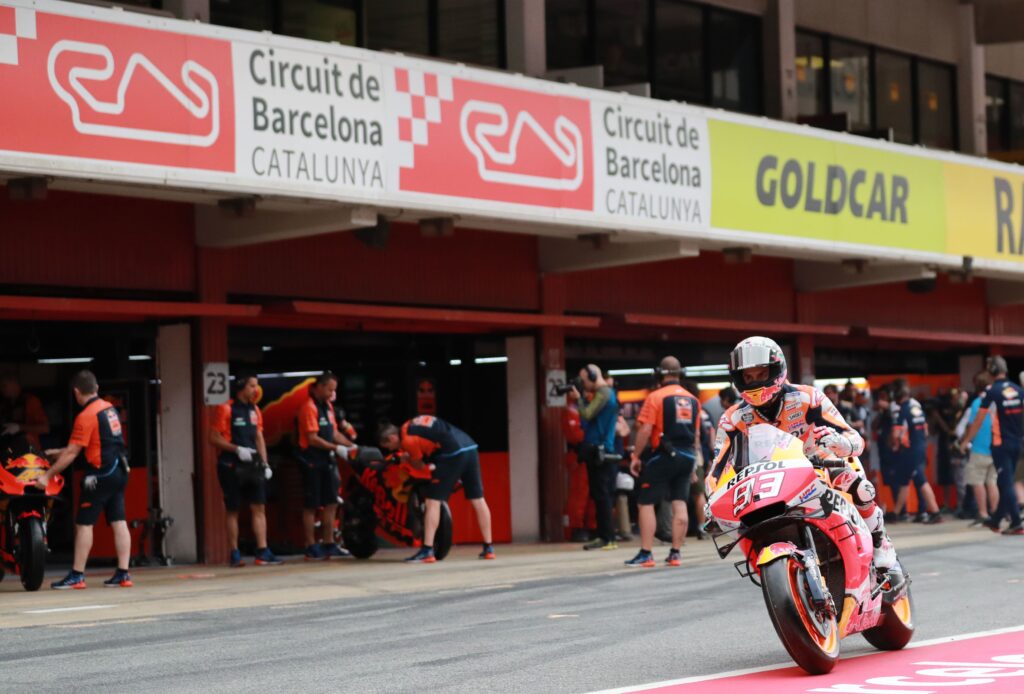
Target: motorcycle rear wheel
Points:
(32, 559)
(811, 643)
(897, 625)
(443, 537)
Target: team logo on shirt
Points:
(253, 419)
(684, 410)
(114, 422)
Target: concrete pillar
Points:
(554, 486)
(525, 37)
(804, 370)
(175, 449)
(780, 60)
(211, 346)
(970, 85)
(189, 9)
(524, 477)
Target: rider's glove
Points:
(837, 444)
(245, 454)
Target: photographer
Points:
(599, 411)
(237, 433)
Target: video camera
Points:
(566, 388)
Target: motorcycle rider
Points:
(757, 366)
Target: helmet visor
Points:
(747, 356)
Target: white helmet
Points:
(758, 352)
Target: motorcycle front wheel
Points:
(32, 562)
(896, 628)
(811, 641)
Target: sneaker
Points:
(334, 551)
(921, 518)
(424, 556)
(1014, 530)
(120, 579)
(314, 553)
(235, 561)
(674, 558)
(992, 524)
(703, 534)
(934, 519)
(610, 545)
(979, 520)
(897, 517)
(73, 581)
(264, 557)
(487, 553)
(642, 560)
(595, 544)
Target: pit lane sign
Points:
(216, 383)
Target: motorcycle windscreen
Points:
(767, 443)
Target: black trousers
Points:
(601, 479)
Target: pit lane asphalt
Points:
(540, 619)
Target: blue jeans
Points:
(1005, 459)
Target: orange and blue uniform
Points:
(454, 454)
(320, 478)
(1005, 399)
(239, 423)
(673, 414)
(98, 431)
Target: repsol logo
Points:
(755, 469)
(834, 190)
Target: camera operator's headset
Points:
(996, 365)
(659, 373)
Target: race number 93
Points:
(764, 486)
(215, 383)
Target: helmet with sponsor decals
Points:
(756, 353)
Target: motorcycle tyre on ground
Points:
(791, 617)
(32, 553)
(443, 536)
(897, 625)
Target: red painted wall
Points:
(470, 269)
(703, 286)
(498, 492)
(78, 240)
(951, 307)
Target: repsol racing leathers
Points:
(808, 414)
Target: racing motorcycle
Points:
(24, 512)
(808, 549)
(384, 500)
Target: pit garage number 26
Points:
(768, 485)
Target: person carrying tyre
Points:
(237, 433)
(1003, 402)
(453, 457)
(670, 422)
(319, 441)
(97, 432)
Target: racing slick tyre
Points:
(443, 537)
(359, 526)
(812, 642)
(897, 625)
(32, 559)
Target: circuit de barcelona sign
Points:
(129, 98)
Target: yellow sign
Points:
(789, 184)
(985, 212)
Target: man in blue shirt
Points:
(980, 473)
(1004, 402)
(599, 411)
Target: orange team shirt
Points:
(221, 419)
(417, 447)
(309, 421)
(86, 431)
(652, 411)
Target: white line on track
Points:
(781, 666)
(77, 608)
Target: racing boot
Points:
(884, 554)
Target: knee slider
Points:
(862, 491)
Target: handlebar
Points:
(828, 463)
